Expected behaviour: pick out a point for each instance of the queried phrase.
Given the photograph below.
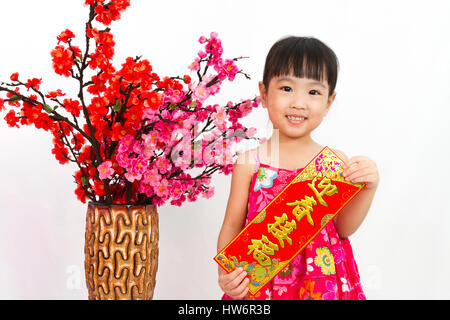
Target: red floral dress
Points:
(324, 270)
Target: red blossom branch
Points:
(121, 130)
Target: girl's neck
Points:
(286, 144)
(286, 153)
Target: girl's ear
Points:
(263, 94)
(330, 101)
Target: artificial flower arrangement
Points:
(133, 135)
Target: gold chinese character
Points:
(281, 232)
(328, 189)
(303, 208)
(261, 249)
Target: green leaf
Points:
(15, 98)
(172, 106)
(84, 181)
(47, 108)
(194, 104)
(117, 105)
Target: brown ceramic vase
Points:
(121, 251)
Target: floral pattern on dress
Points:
(307, 291)
(264, 178)
(325, 261)
(324, 269)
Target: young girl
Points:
(298, 85)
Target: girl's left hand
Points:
(361, 169)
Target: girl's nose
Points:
(299, 101)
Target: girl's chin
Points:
(293, 134)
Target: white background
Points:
(392, 105)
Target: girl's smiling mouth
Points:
(296, 119)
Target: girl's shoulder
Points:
(244, 168)
(241, 179)
(248, 158)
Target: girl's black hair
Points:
(305, 56)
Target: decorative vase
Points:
(121, 251)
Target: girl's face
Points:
(296, 106)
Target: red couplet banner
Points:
(290, 221)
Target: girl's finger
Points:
(225, 279)
(366, 178)
(240, 290)
(237, 280)
(355, 168)
(358, 173)
(354, 160)
(244, 293)
(359, 158)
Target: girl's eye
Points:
(315, 93)
(288, 88)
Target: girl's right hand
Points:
(235, 283)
